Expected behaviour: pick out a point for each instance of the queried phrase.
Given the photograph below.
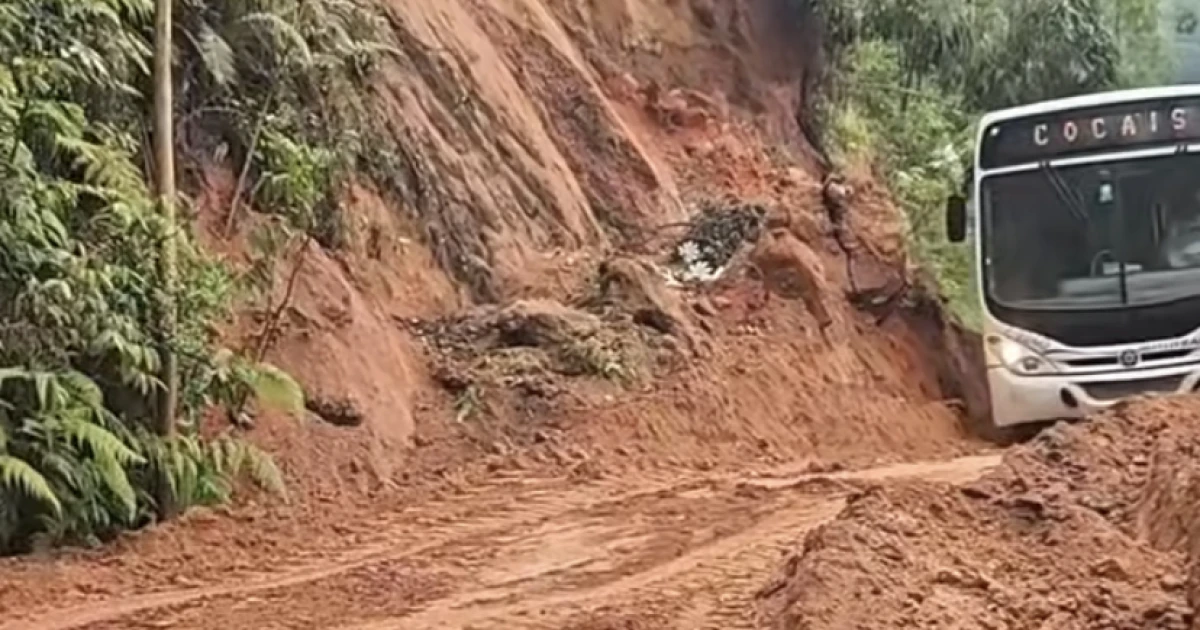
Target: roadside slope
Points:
(540, 150)
(1087, 526)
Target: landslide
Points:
(1093, 525)
(505, 305)
(522, 288)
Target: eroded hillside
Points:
(543, 150)
(509, 351)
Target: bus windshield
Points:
(1101, 235)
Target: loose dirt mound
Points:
(1088, 526)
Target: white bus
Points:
(1085, 217)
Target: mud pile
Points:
(1087, 526)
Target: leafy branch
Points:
(81, 343)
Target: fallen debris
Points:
(341, 412)
(633, 286)
(715, 235)
(790, 269)
(529, 347)
(1088, 526)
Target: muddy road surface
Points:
(619, 553)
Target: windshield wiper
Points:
(1066, 193)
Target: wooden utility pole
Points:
(164, 153)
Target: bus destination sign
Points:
(1121, 126)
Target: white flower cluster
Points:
(695, 267)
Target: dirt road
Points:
(531, 554)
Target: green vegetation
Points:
(909, 79)
(79, 349)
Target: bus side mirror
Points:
(956, 218)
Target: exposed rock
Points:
(790, 269)
(636, 288)
(542, 323)
(342, 412)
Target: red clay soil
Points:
(1088, 526)
(548, 138)
(567, 122)
(591, 158)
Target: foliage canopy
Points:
(78, 227)
(909, 78)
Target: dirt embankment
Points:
(542, 148)
(512, 307)
(1088, 526)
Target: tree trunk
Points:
(164, 150)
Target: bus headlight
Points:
(1018, 358)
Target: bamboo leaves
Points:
(998, 53)
(217, 56)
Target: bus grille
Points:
(1114, 390)
(1111, 360)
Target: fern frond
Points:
(217, 55)
(42, 382)
(184, 470)
(101, 442)
(284, 31)
(85, 389)
(263, 471)
(8, 88)
(104, 167)
(57, 465)
(228, 457)
(160, 459)
(13, 372)
(17, 475)
(139, 9)
(91, 64)
(115, 478)
(61, 120)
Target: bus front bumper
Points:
(1020, 399)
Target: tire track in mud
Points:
(711, 587)
(717, 580)
(431, 526)
(531, 558)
